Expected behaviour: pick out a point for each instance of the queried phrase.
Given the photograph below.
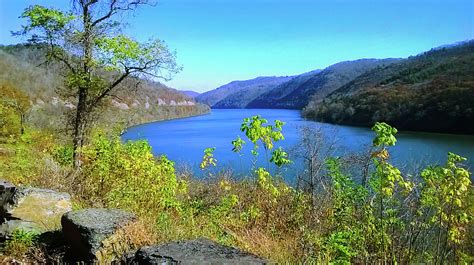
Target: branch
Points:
(113, 9)
(106, 16)
(110, 88)
(57, 57)
(61, 59)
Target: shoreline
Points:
(171, 119)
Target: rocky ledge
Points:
(199, 251)
(31, 209)
(88, 235)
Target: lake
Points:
(183, 141)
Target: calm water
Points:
(184, 140)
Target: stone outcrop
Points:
(92, 235)
(199, 251)
(7, 191)
(41, 206)
(31, 209)
(85, 230)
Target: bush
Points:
(25, 162)
(13, 107)
(20, 243)
(128, 176)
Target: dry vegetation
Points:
(341, 221)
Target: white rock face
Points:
(69, 105)
(120, 105)
(161, 102)
(39, 101)
(55, 101)
(172, 103)
(185, 103)
(147, 105)
(135, 103)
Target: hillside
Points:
(433, 91)
(281, 90)
(237, 94)
(296, 93)
(190, 93)
(22, 68)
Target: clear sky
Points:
(218, 41)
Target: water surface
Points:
(183, 141)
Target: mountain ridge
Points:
(296, 93)
(251, 88)
(432, 91)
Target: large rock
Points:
(41, 206)
(8, 227)
(85, 230)
(31, 209)
(200, 251)
(7, 191)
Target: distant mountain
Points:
(21, 67)
(246, 91)
(190, 93)
(297, 92)
(433, 91)
(280, 91)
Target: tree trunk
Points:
(82, 108)
(22, 122)
(79, 125)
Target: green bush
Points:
(127, 175)
(63, 154)
(20, 243)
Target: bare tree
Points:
(315, 147)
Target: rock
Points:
(21, 207)
(41, 206)
(120, 105)
(85, 230)
(7, 191)
(200, 251)
(7, 228)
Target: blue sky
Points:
(218, 41)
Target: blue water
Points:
(183, 141)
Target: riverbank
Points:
(201, 110)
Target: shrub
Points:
(129, 176)
(20, 243)
(13, 107)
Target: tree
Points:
(314, 148)
(96, 56)
(259, 132)
(14, 105)
(447, 192)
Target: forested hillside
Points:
(296, 93)
(190, 93)
(433, 91)
(237, 94)
(24, 69)
(281, 90)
